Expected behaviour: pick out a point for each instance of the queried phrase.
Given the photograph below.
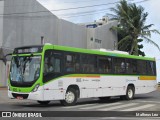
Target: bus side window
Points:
(131, 66)
(104, 64)
(72, 63)
(142, 67)
(119, 65)
(57, 64)
(88, 63)
(150, 68)
(52, 65)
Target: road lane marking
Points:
(116, 107)
(101, 105)
(139, 107)
(77, 106)
(150, 101)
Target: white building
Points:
(22, 23)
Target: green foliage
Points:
(131, 28)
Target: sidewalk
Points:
(3, 88)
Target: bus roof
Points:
(80, 50)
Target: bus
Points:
(49, 72)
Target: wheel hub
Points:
(69, 97)
(130, 93)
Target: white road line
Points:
(120, 106)
(77, 106)
(139, 107)
(101, 105)
(150, 101)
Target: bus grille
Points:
(15, 95)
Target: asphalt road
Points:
(93, 106)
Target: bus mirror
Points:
(4, 59)
(8, 55)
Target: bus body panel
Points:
(90, 87)
(93, 87)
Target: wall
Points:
(26, 29)
(3, 80)
(102, 36)
(1, 22)
(71, 34)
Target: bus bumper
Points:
(30, 96)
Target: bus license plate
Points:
(19, 98)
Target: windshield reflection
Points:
(25, 68)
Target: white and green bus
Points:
(51, 72)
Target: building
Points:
(23, 22)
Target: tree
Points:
(131, 28)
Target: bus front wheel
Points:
(130, 93)
(70, 97)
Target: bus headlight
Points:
(36, 88)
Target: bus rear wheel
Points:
(43, 102)
(70, 97)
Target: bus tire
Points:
(130, 93)
(70, 97)
(104, 98)
(43, 102)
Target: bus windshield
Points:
(25, 68)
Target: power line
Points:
(47, 4)
(68, 9)
(143, 1)
(82, 7)
(82, 1)
(99, 10)
(83, 15)
(83, 12)
(86, 1)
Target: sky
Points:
(101, 8)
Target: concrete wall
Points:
(2, 66)
(27, 29)
(102, 36)
(107, 36)
(71, 34)
(18, 29)
(3, 79)
(1, 22)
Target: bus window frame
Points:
(56, 74)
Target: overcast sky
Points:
(89, 14)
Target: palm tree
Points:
(131, 28)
